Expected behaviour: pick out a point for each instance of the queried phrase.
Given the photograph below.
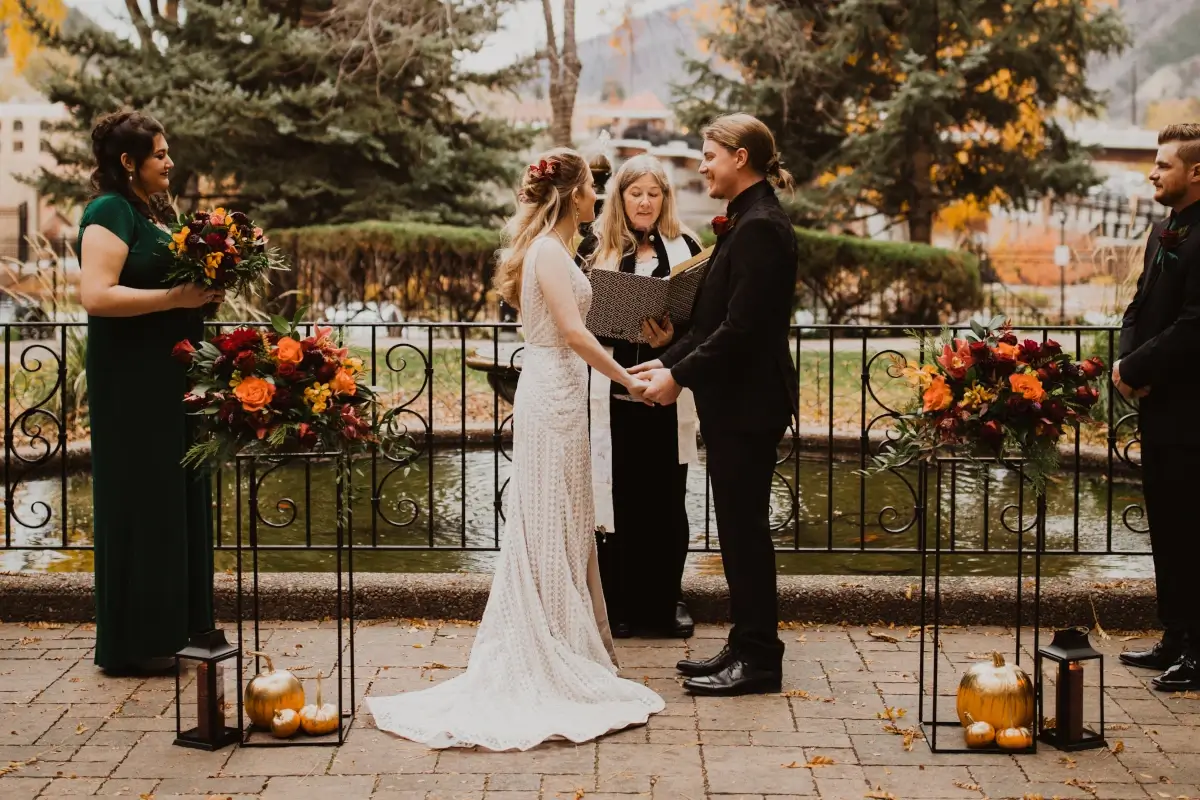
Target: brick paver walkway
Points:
(67, 729)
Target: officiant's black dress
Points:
(151, 517)
(649, 488)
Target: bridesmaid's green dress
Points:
(152, 517)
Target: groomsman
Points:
(737, 361)
(1160, 345)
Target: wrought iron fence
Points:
(452, 385)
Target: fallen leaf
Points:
(13, 766)
(80, 728)
(970, 787)
(44, 626)
(882, 637)
(1067, 761)
(880, 794)
(1083, 785)
(1119, 747)
(891, 714)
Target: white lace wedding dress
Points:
(542, 665)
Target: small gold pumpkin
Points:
(285, 723)
(320, 718)
(978, 734)
(269, 691)
(1015, 738)
(996, 693)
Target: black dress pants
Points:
(741, 465)
(1168, 480)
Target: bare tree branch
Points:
(140, 23)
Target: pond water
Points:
(460, 487)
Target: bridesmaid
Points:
(640, 452)
(151, 517)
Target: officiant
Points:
(641, 453)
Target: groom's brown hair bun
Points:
(746, 132)
(1187, 134)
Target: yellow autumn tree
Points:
(20, 39)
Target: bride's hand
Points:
(637, 389)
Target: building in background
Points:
(23, 129)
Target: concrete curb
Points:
(1118, 605)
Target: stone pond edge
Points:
(1126, 604)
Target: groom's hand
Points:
(649, 365)
(663, 389)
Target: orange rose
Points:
(1028, 386)
(343, 383)
(938, 396)
(1009, 351)
(255, 393)
(289, 350)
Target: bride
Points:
(543, 664)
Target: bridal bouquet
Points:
(276, 388)
(992, 394)
(221, 249)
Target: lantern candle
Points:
(210, 715)
(1070, 711)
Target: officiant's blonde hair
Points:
(541, 202)
(615, 235)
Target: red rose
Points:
(1056, 411)
(325, 372)
(282, 399)
(1008, 338)
(980, 352)
(1087, 396)
(236, 340)
(228, 412)
(215, 242)
(1030, 350)
(1052, 348)
(992, 434)
(721, 225)
(245, 362)
(1048, 372)
(285, 369)
(1171, 239)
(1092, 368)
(182, 352)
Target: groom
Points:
(736, 359)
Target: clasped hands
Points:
(1127, 391)
(653, 384)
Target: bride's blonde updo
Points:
(545, 196)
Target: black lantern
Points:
(1069, 650)
(209, 650)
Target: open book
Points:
(621, 301)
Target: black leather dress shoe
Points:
(1182, 676)
(737, 678)
(1160, 657)
(684, 625)
(695, 668)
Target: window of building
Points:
(18, 126)
(46, 126)
(18, 146)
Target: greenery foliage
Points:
(299, 112)
(906, 107)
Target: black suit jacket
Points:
(736, 357)
(1160, 333)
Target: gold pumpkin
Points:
(978, 734)
(285, 723)
(269, 691)
(996, 693)
(321, 718)
(1015, 738)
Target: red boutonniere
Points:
(1171, 239)
(722, 225)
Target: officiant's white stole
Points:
(599, 390)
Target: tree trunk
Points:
(564, 73)
(921, 210)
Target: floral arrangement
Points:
(990, 393)
(221, 249)
(277, 388)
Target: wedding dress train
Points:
(543, 664)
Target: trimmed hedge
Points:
(447, 271)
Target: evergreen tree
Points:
(906, 106)
(301, 111)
